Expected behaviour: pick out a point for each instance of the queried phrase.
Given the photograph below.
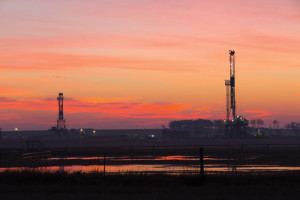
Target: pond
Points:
(127, 164)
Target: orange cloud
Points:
(204, 108)
(103, 109)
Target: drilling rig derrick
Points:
(61, 123)
(237, 126)
(232, 83)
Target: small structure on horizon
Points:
(61, 122)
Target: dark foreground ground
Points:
(36, 185)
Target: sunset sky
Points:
(142, 63)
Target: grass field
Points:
(60, 185)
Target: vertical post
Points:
(201, 163)
(104, 163)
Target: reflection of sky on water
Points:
(163, 168)
(126, 158)
(159, 168)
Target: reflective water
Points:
(138, 158)
(158, 168)
(163, 168)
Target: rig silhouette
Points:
(235, 127)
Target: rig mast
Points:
(237, 126)
(61, 123)
(230, 87)
(232, 82)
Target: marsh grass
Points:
(31, 184)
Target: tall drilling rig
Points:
(236, 126)
(61, 123)
(230, 87)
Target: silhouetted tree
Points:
(260, 123)
(275, 123)
(253, 122)
(173, 124)
(181, 124)
(218, 123)
(191, 124)
(293, 126)
(203, 123)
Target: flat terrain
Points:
(117, 141)
(230, 185)
(33, 185)
(91, 151)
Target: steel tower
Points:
(237, 127)
(61, 123)
(230, 88)
(232, 82)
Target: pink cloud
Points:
(258, 113)
(111, 109)
(43, 111)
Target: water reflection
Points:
(157, 168)
(127, 167)
(137, 158)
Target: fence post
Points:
(201, 163)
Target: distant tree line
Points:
(293, 126)
(194, 124)
(206, 123)
(259, 124)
